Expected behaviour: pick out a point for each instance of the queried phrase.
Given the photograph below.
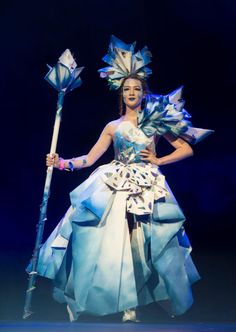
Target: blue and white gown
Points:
(96, 266)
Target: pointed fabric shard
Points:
(194, 135)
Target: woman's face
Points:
(133, 93)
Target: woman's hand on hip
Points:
(148, 155)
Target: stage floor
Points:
(213, 310)
(7, 326)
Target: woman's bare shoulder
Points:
(112, 125)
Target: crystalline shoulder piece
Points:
(165, 114)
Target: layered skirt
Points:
(98, 266)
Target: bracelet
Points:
(71, 166)
(61, 164)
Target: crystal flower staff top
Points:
(64, 77)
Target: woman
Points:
(122, 244)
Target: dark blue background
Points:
(193, 44)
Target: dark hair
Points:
(144, 87)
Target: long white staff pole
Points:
(43, 211)
(64, 77)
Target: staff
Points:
(64, 77)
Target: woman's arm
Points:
(94, 154)
(182, 150)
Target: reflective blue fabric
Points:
(98, 268)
